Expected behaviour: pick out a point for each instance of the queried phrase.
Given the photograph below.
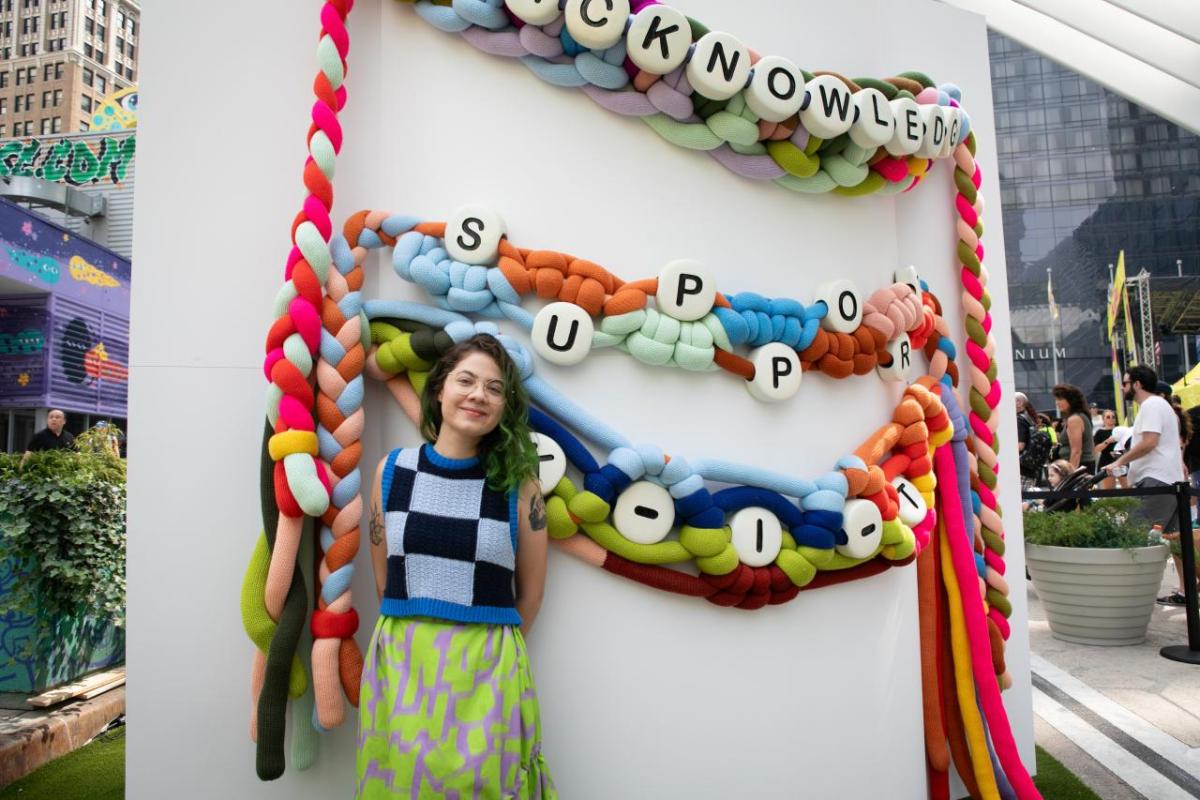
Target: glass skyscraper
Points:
(1084, 174)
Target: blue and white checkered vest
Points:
(451, 541)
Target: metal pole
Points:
(1187, 360)
(1188, 653)
(1053, 329)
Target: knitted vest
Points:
(451, 540)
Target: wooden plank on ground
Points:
(87, 687)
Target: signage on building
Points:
(79, 162)
(1037, 353)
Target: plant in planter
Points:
(62, 565)
(1095, 570)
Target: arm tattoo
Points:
(537, 513)
(377, 526)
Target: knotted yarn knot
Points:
(671, 93)
(455, 286)
(757, 320)
(557, 276)
(736, 123)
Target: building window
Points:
(56, 125)
(58, 97)
(85, 103)
(6, 29)
(121, 18)
(3, 105)
(83, 126)
(87, 76)
(18, 104)
(101, 32)
(88, 25)
(129, 51)
(46, 98)
(3, 129)
(58, 66)
(36, 22)
(101, 84)
(45, 125)
(100, 6)
(100, 56)
(4, 80)
(47, 71)
(87, 50)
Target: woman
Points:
(1075, 442)
(1103, 442)
(447, 704)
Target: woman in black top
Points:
(1103, 444)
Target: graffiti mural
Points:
(22, 349)
(78, 162)
(117, 111)
(48, 258)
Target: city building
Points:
(61, 60)
(1085, 174)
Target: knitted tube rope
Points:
(299, 484)
(628, 320)
(580, 521)
(785, 153)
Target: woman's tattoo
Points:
(377, 526)
(537, 513)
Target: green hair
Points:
(508, 453)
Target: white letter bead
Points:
(534, 12)
(719, 67)
(906, 138)
(777, 373)
(596, 24)
(949, 115)
(562, 334)
(909, 276)
(873, 122)
(644, 513)
(863, 525)
(934, 131)
(844, 304)
(552, 462)
(956, 127)
(757, 536)
(900, 349)
(685, 291)
(473, 235)
(912, 505)
(658, 39)
(776, 90)
(830, 109)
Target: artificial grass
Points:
(1056, 782)
(95, 771)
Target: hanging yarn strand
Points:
(298, 485)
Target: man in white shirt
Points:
(1155, 454)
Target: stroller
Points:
(1082, 478)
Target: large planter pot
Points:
(1101, 596)
(39, 651)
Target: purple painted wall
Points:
(44, 256)
(68, 347)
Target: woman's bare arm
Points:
(532, 544)
(378, 530)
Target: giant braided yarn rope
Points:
(761, 117)
(297, 484)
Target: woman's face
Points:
(1110, 419)
(1062, 405)
(472, 398)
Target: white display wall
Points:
(643, 694)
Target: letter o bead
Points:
(552, 462)
(596, 24)
(900, 349)
(686, 291)
(658, 39)
(644, 513)
(756, 535)
(776, 90)
(719, 67)
(845, 306)
(830, 109)
(473, 235)
(562, 334)
(863, 525)
(534, 12)
(777, 373)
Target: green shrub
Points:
(1105, 523)
(62, 519)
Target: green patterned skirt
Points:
(449, 710)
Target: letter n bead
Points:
(658, 39)
(720, 66)
(562, 334)
(473, 235)
(777, 373)
(686, 291)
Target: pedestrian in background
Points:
(1076, 443)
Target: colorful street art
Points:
(117, 111)
(23, 337)
(78, 162)
(81, 270)
(42, 267)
